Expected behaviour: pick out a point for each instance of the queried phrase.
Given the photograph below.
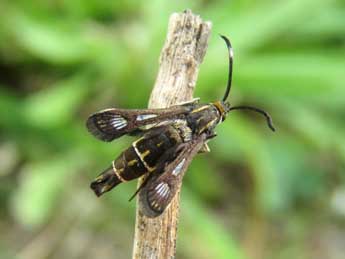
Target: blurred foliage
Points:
(256, 195)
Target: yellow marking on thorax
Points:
(208, 125)
(159, 144)
(118, 173)
(200, 109)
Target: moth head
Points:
(223, 109)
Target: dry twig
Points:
(180, 58)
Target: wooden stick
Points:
(183, 51)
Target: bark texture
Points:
(183, 51)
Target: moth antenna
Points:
(231, 61)
(267, 116)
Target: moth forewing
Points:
(113, 123)
(161, 188)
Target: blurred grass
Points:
(257, 195)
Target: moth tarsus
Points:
(169, 139)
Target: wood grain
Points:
(183, 51)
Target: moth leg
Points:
(204, 149)
(211, 135)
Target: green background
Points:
(258, 194)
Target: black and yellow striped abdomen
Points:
(140, 158)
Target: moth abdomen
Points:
(151, 149)
(126, 167)
(106, 181)
(140, 158)
(129, 165)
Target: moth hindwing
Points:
(162, 185)
(169, 139)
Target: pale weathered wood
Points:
(183, 51)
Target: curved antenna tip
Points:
(228, 44)
(270, 123)
(231, 55)
(265, 114)
(227, 41)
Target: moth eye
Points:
(142, 117)
(178, 168)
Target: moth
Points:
(168, 140)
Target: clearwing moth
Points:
(168, 140)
